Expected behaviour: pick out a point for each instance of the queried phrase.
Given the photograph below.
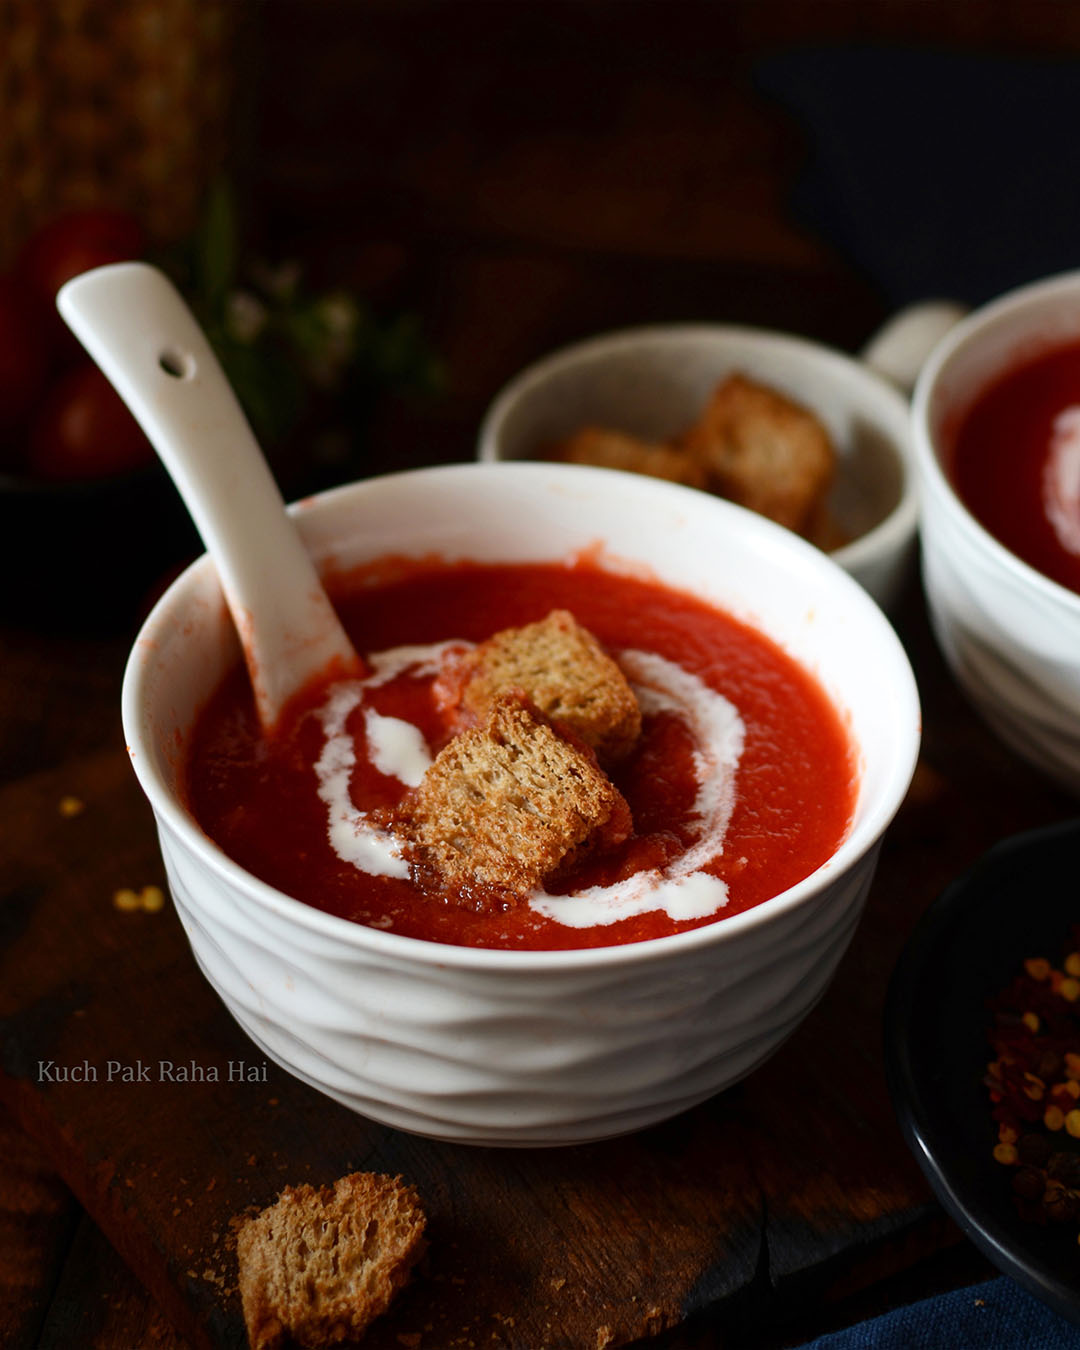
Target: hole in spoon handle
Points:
(180, 365)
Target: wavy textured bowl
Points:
(1010, 635)
(523, 1048)
(654, 381)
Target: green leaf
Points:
(267, 383)
(215, 248)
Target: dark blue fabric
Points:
(936, 173)
(997, 1315)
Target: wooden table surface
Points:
(519, 180)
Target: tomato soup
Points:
(742, 783)
(1015, 462)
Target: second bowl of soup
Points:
(997, 440)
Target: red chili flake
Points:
(1033, 1082)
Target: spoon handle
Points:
(137, 327)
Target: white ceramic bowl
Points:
(654, 382)
(1010, 635)
(507, 1047)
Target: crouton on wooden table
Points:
(318, 1266)
(765, 452)
(563, 670)
(616, 450)
(508, 804)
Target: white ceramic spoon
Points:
(137, 327)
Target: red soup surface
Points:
(1015, 461)
(792, 793)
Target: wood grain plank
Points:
(37, 1222)
(559, 1247)
(99, 1302)
(762, 1192)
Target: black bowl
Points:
(1019, 900)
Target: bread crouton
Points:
(564, 671)
(760, 449)
(319, 1266)
(507, 805)
(616, 450)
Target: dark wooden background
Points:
(519, 175)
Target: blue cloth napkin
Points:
(936, 173)
(997, 1315)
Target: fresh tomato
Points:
(68, 245)
(84, 430)
(75, 243)
(24, 357)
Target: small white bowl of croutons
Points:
(583, 839)
(802, 434)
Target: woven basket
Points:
(122, 103)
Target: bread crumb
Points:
(616, 450)
(507, 805)
(319, 1266)
(70, 807)
(764, 451)
(125, 899)
(561, 669)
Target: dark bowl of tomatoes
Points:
(87, 516)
